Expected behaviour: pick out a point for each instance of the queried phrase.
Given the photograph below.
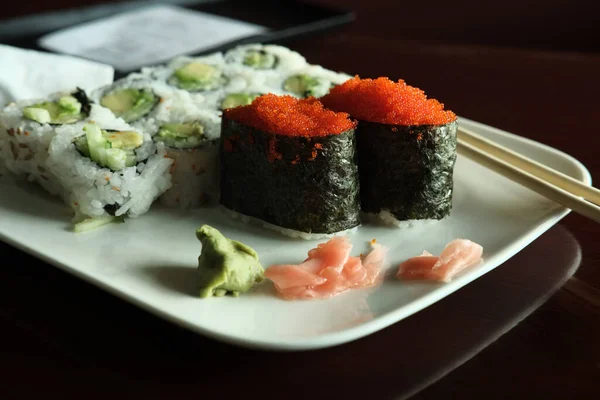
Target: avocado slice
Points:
(66, 110)
(238, 99)
(126, 140)
(109, 148)
(183, 135)
(130, 104)
(260, 59)
(197, 76)
(303, 85)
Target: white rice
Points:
(88, 187)
(195, 172)
(182, 108)
(287, 60)
(209, 99)
(327, 78)
(171, 98)
(195, 176)
(284, 231)
(25, 143)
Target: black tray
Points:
(286, 20)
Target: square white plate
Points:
(151, 261)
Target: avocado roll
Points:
(406, 149)
(28, 126)
(107, 169)
(137, 98)
(281, 70)
(313, 80)
(264, 60)
(192, 144)
(291, 165)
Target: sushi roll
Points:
(192, 143)
(189, 134)
(312, 80)
(406, 149)
(281, 71)
(264, 59)
(291, 165)
(27, 128)
(138, 99)
(206, 79)
(106, 169)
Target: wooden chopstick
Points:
(533, 167)
(525, 178)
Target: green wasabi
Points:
(225, 266)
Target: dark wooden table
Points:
(530, 327)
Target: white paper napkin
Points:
(28, 74)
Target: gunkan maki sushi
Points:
(406, 148)
(290, 164)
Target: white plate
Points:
(151, 261)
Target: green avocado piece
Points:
(130, 104)
(70, 104)
(260, 59)
(238, 99)
(66, 110)
(197, 76)
(111, 149)
(225, 266)
(181, 135)
(126, 140)
(304, 86)
(41, 115)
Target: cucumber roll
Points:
(192, 143)
(406, 147)
(107, 169)
(291, 165)
(313, 80)
(263, 60)
(28, 126)
(137, 98)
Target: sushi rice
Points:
(195, 168)
(94, 191)
(25, 142)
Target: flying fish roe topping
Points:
(386, 102)
(289, 116)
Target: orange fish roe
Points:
(386, 102)
(289, 116)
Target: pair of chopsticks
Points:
(556, 186)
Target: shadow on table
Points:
(177, 278)
(112, 342)
(21, 197)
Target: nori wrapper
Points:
(407, 170)
(308, 184)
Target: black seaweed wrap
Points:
(407, 170)
(305, 184)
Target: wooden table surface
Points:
(530, 327)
